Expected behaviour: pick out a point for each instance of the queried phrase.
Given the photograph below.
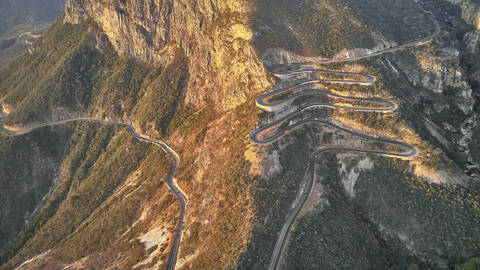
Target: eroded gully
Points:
(171, 182)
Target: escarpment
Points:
(186, 73)
(214, 35)
(183, 72)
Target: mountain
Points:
(189, 99)
(22, 22)
(28, 12)
(367, 161)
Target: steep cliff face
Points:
(111, 208)
(353, 206)
(195, 92)
(213, 34)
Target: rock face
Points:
(223, 72)
(470, 11)
(446, 74)
(439, 72)
(213, 35)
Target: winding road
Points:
(273, 131)
(181, 196)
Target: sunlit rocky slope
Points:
(187, 73)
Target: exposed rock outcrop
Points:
(470, 11)
(439, 72)
(214, 35)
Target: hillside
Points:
(28, 12)
(78, 70)
(470, 11)
(187, 73)
(22, 21)
(28, 177)
(401, 210)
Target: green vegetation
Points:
(472, 264)
(226, 183)
(273, 195)
(21, 21)
(105, 231)
(442, 8)
(413, 266)
(435, 218)
(88, 213)
(16, 41)
(33, 84)
(187, 119)
(309, 27)
(28, 167)
(335, 236)
(399, 21)
(324, 27)
(164, 94)
(68, 72)
(409, 109)
(84, 214)
(452, 116)
(95, 166)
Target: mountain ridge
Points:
(188, 73)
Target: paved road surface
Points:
(384, 106)
(172, 259)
